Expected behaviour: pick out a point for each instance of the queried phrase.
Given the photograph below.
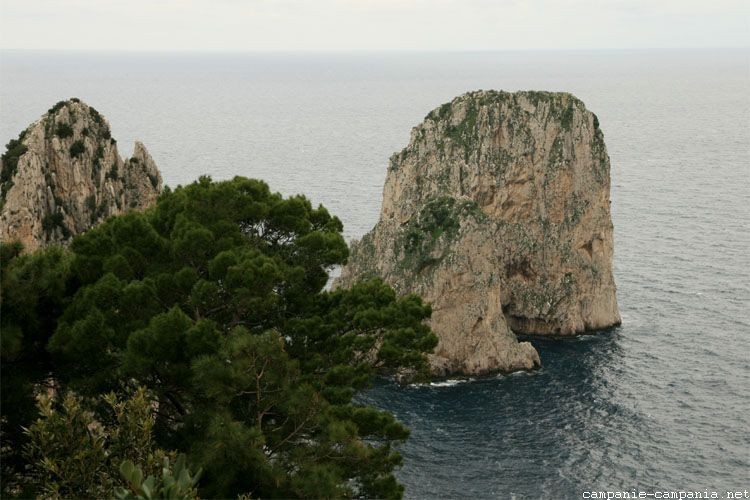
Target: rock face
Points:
(63, 174)
(497, 212)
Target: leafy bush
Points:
(77, 452)
(52, 221)
(112, 174)
(99, 212)
(63, 130)
(174, 485)
(13, 152)
(77, 149)
(96, 116)
(91, 202)
(57, 107)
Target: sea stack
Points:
(498, 213)
(64, 174)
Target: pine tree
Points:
(35, 290)
(214, 300)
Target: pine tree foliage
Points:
(214, 301)
(35, 290)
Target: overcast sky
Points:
(372, 24)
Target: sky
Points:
(343, 25)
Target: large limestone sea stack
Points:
(497, 212)
(64, 174)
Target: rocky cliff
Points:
(497, 212)
(64, 174)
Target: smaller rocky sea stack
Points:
(497, 212)
(63, 175)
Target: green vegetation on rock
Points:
(599, 153)
(77, 148)
(53, 221)
(113, 172)
(464, 133)
(63, 130)
(13, 152)
(96, 116)
(439, 218)
(57, 107)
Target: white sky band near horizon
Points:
(225, 25)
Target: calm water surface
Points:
(662, 402)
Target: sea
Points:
(661, 403)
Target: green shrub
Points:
(57, 107)
(112, 174)
(78, 450)
(57, 220)
(13, 152)
(174, 483)
(63, 130)
(95, 116)
(77, 149)
(91, 203)
(439, 216)
(51, 221)
(566, 117)
(101, 210)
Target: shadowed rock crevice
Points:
(497, 212)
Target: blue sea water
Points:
(662, 402)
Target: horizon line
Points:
(356, 51)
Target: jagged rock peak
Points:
(64, 174)
(497, 212)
